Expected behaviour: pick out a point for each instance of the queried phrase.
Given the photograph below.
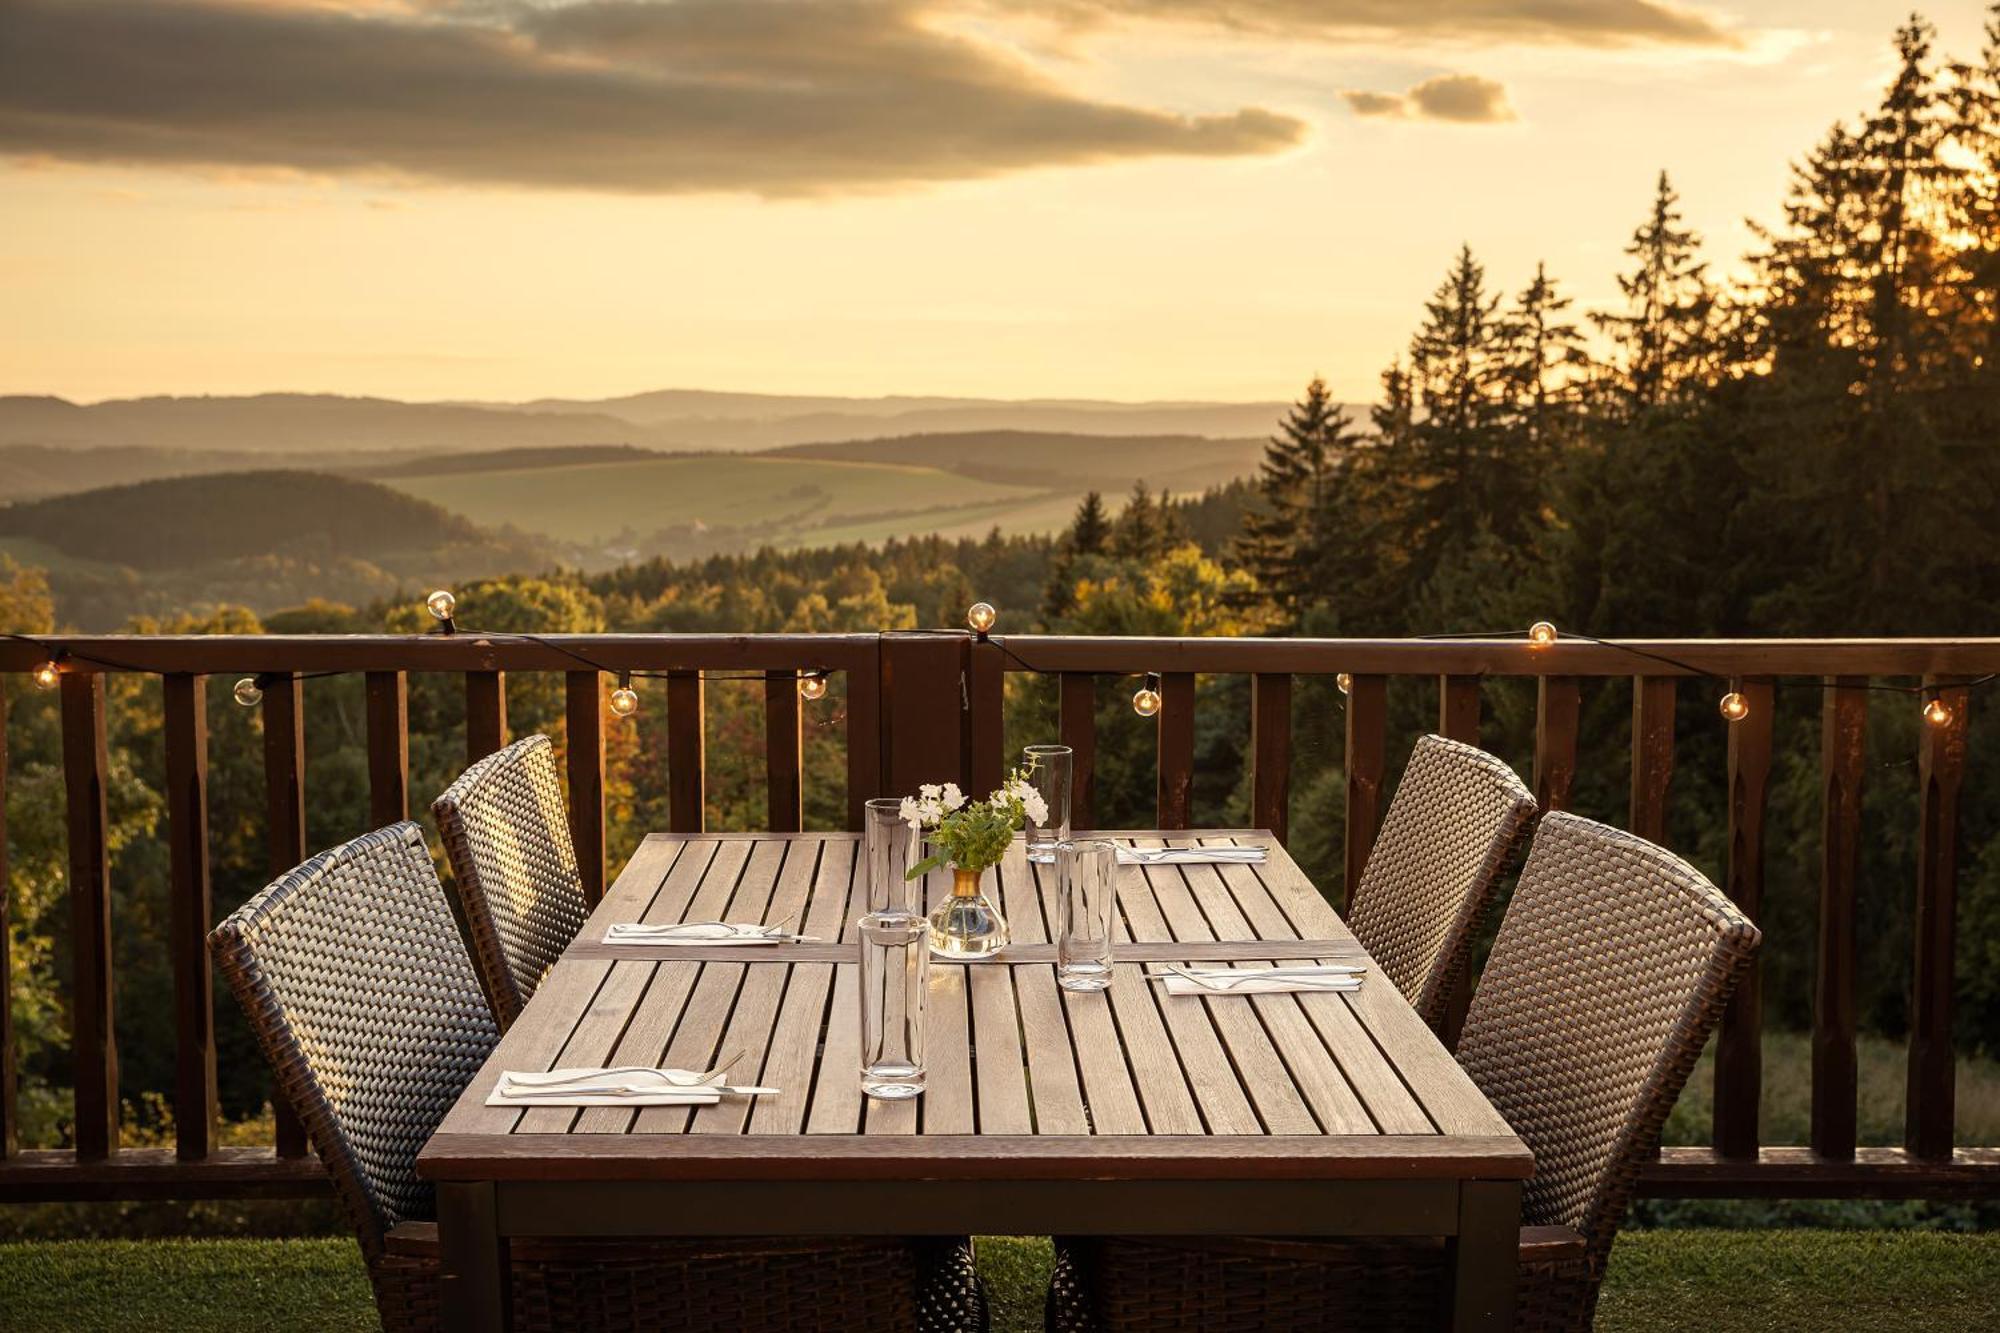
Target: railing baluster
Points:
(1739, 1053)
(687, 752)
(485, 714)
(866, 776)
(10, 1131)
(987, 698)
(93, 1040)
(1843, 751)
(784, 790)
(186, 703)
(583, 714)
(1652, 755)
(1366, 758)
(1174, 798)
(1558, 706)
(388, 747)
(925, 695)
(1271, 752)
(1932, 1095)
(1077, 705)
(1458, 708)
(285, 825)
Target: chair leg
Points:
(1067, 1308)
(951, 1298)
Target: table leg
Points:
(474, 1286)
(1485, 1256)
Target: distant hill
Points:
(36, 471)
(1048, 459)
(264, 539)
(497, 460)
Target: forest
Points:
(1800, 441)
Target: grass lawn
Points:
(1719, 1281)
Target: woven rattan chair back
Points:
(361, 995)
(506, 833)
(1610, 971)
(1458, 818)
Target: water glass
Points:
(889, 847)
(1048, 771)
(895, 969)
(1086, 901)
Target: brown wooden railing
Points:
(929, 707)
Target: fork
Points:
(678, 1078)
(1212, 981)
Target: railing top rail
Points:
(468, 651)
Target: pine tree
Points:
(1286, 544)
(1091, 528)
(1665, 339)
(1136, 534)
(1544, 358)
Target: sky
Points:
(1131, 199)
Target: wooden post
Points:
(1367, 759)
(987, 702)
(1932, 1096)
(1652, 755)
(485, 714)
(687, 752)
(1077, 705)
(285, 829)
(1174, 798)
(1271, 753)
(186, 700)
(784, 753)
(583, 719)
(1458, 708)
(1739, 1059)
(926, 698)
(1843, 750)
(93, 1038)
(388, 747)
(10, 1135)
(1558, 707)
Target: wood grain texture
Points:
(1558, 710)
(1076, 706)
(1458, 708)
(687, 752)
(1271, 753)
(583, 719)
(1738, 1042)
(1843, 758)
(1174, 800)
(185, 699)
(10, 1137)
(1652, 755)
(93, 1037)
(1367, 754)
(784, 753)
(1931, 1101)
(285, 834)
(485, 714)
(388, 694)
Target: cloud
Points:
(766, 96)
(1464, 99)
(1541, 22)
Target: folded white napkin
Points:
(1189, 856)
(701, 934)
(601, 1087)
(1225, 981)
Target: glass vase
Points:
(967, 925)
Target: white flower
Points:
(1036, 807)
(930, 791)
(953, 797)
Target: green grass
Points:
(1719, 1281)
(789, 501)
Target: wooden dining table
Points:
(1046, 1112)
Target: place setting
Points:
(623, 1085)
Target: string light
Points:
(1542, 633)
(1146, 702)
(248, 692)
(981, 616)
(812, 685)
(1345, 682)
(443, 606)
(625, 699)
(1734, 706)
(48, 675)
(1937, 712)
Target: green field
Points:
(783, 501)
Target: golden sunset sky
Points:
(1107, 198)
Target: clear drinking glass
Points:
(1086, 901)
(895, 968)
(1049, 772)
(889, 847)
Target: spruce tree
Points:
(1091, 528)
(1287, 543)
(1664, 338)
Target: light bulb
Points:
(1542, 633)
(624, 701)
(248, 692)
(47, 676)
(981, 616)
(1937, 712)
(1344, 681)
(442, 605)
(812, 685)
(1734, 706)
(1146, 702)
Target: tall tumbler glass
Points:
(895, 968)
(1086, 902)
(1048, 769)
(889, 847)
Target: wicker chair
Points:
(513, 866)
(361, 995)
(1458, 817)
(1611, 969)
